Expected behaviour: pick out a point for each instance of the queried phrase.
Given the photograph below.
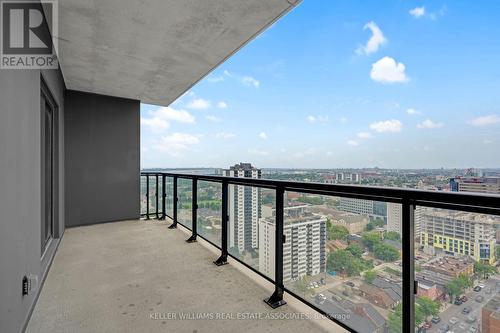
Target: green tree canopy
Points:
(427, 306)
(385, 252)
(369, 276)
(393, 235)
(370, 239)
(355, 250)
(337, 232)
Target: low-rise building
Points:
(354, 223)
(451, 266)
(490, 316)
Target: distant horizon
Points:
(494, 169)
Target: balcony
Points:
(361, 306)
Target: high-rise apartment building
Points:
(244, 208)
(304, 247)
(365, 207)
(395, 222)
(347, 178)
(476, 184)
(458, 234)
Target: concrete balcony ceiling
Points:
(154, 50)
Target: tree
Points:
(302, 285)
(337, 232)
(393, 235)
(343, 262)
(355, 250)
(395, 320)
(370, 239)
(369, 276)
(428, 307)
(484, 269)
(454, 288)
(385, 252)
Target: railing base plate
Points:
(222, 260)
(191, 239)
(274, 304)
(172, 226)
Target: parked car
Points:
(487, 290)
(470, 318)
(463, 326)
(444, 328)
(427, 325)
(472, 329)
(464, 299)
(436, 319)
(466, 310)
(320, 298)
(457, 301)
(477, 288)
(453, 320)
(350, 284)
(479, 299)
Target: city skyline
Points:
(364, 85)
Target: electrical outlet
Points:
(30, 284)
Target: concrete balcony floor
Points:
(111, 277)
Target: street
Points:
(462, 326)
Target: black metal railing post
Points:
(156, 197)
(174, 199)
(222, 260)
(194, 211)
(147, 197)
(409, 287)
(163, 196)
(276, 299)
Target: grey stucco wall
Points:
(20, 189)
(102, 156)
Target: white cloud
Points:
(317, 119)
(364, 135)
(429, 124)
(222, 105)
(352, 143)
(215, 79)
(485, 120)
(388, 70)
(224, 135)
(156, 124)
(213, 118)
(376, 40)
(263, 135)
(413, 112)
(160, 118)
(168, 113)
(392, 125)
(176, 143)
(417, 12)
(199, 104)
(250, 81)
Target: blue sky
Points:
(396, 84)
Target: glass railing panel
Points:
(143, 197)
(344, 256)
(169, 199)
(456, 258)
(185, 203)
(252, 225)
(210, 211)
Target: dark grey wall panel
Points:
(20, 189)
(102, 156)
